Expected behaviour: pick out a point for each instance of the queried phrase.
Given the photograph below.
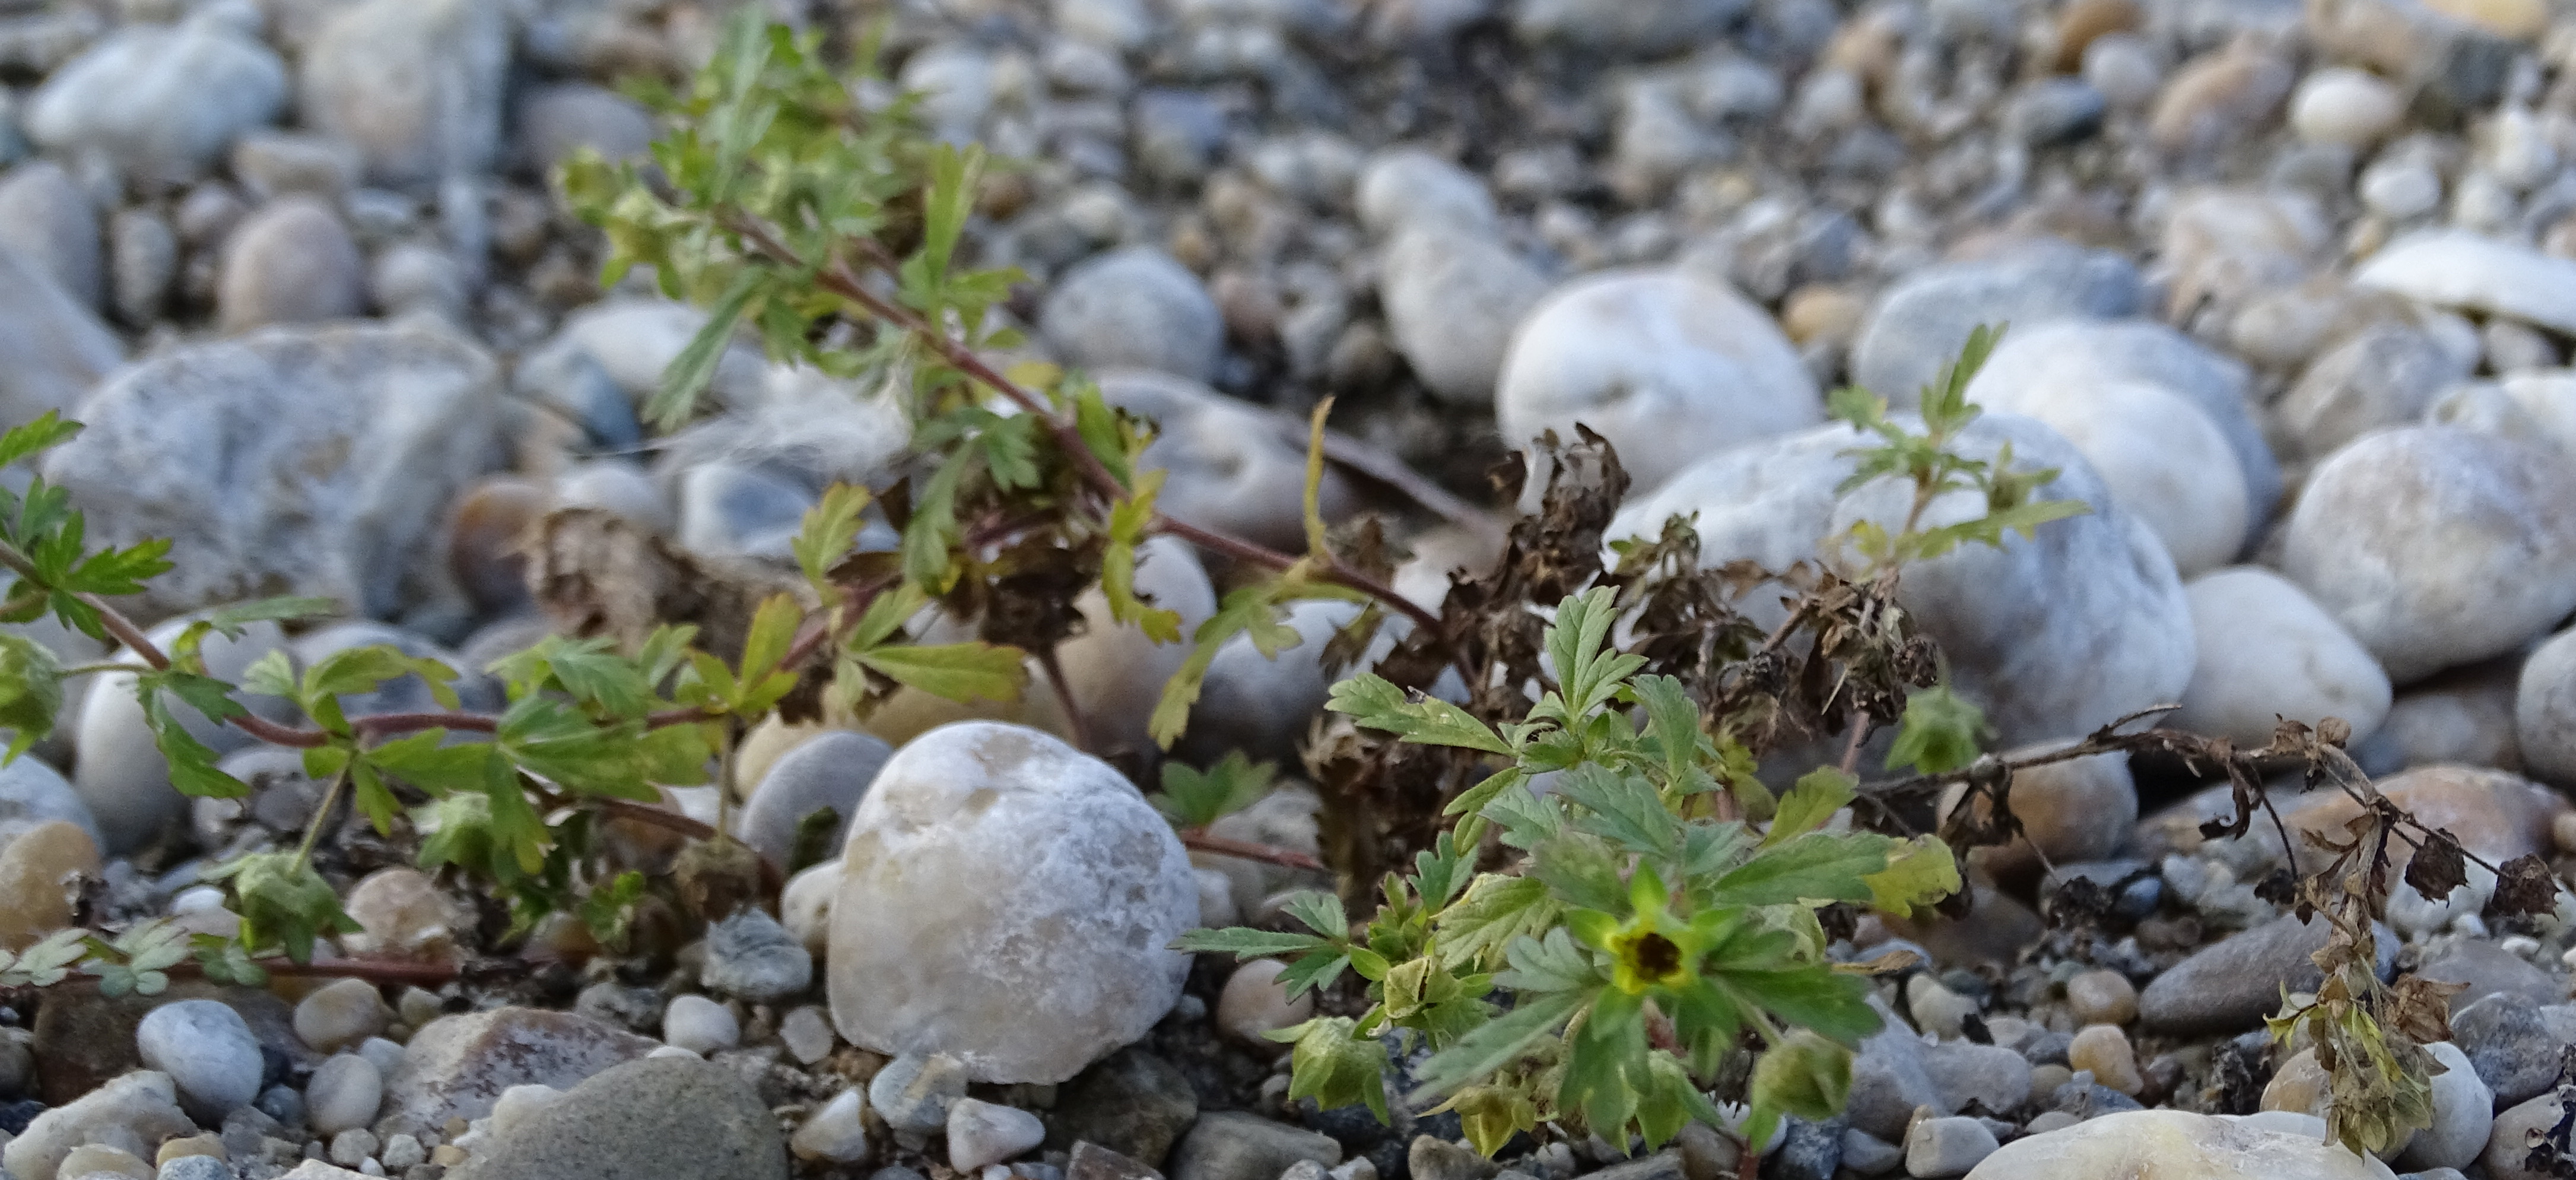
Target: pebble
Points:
(2508, 1147)
(46, 218)
(208, 1051)
(837, 1133)
(2544, 711)
(39, 866)
(2071, 812)
(32, 792)
(1943, 1147)
(807, 1033)
(1229, 469)
(700, 1025)
(1132, 1102)
(2103, 1050)
(1233, 1145)
(1134, 308)
(2346, 106)
(1919, 324)
(339, 1014)
(1255, 1003)
(1404, 186)
(353, 1147)
(1452, 298)
(2232, 984)
(805, 906)
(401, 914)
(914, 1091)
(982, 1133)
(658, 1117)
(1668, 365)
(96, 1160)
(194, 1167)
(327, 483)
(751, 956)
(2383, 376)
(2436, 547)
(131, 1113)
(920, 962)
(292, 262)
(445, 119)
(2268, 651)
(1936, 1009)
(2101, 998)
(2509, 1045)
(458, 1066)
(163, 101)
(2470, 272)
(832, 770)
(343, 1094)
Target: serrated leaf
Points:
(1496, 910)
(1128, 521)
(35, 436)
(1334, 1066)
(425, 761)
(1623, 809)
(1550, 964)
(1318, 911)
(31, 692)
(1193, 798)
(1535, 1018)
(1808, 805)
(1246, 943)
(933, 533)
(831, 526)
(1939, 732)
(1804, 1075)
(1376, 702)
(1919, 872)
(953, 671)
(689, 373)
(283, 903)
(1816, 867)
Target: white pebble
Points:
(837, 1133)
(2342, 105)
(981, 1133)
(343, 1094)
(700, 1025)
(353, 1147)
(2400, 189)
(807, 1032)
(338, 1014)
(386, 1054)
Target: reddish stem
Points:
(1202, 840)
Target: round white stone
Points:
(2165, 462)
(2343, 105)
(2268, 651)
(1008, 900)
(2437, 546)
(1669, 366)
(981, 1133)
(700, 1025)
(343, 1094)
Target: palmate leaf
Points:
(1535, 1018)
(1816, 867)
(1335, 1066)
(1808, 805)
(1939, 732)
(1919, 872)
(1495, 911)
(831, 526)
(1590, 673)
(283, 903)
(1804, 1075)
(1623, 809)
(1193, 798)
(1128, 521)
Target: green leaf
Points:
(1495, 911)
(1128, 521)
(1606, 1069)
(1376, 702)
(831, 527)
(608, 908)
(1498, 1043)
(1804, 1075)
(1919, 872)
(31, 692)
(1590, 676)
(691, 371)
(283, 903)
(1246, 943)
(1939, 733)
(1582, 870)
(1550, 964)
(1102, 435)
(1251, 610)
(230, 620)
(1194, 799)
(1623, 809)
(1318, 911)
(933, 533)
(426, 761)
(1819, 794)
(192, 762)
(953, 671)
(44, 432)
(1491, 1115)
(1672, 722)
(272, 675)
(1816, 867)
(1334, 1065)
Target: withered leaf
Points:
(2524, 885)
(2437, 867)
(2420, 1008)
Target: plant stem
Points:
(836, 277)
(1074, 718)
(321, 816)
(1202, 840)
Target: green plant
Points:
(1661, 905)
